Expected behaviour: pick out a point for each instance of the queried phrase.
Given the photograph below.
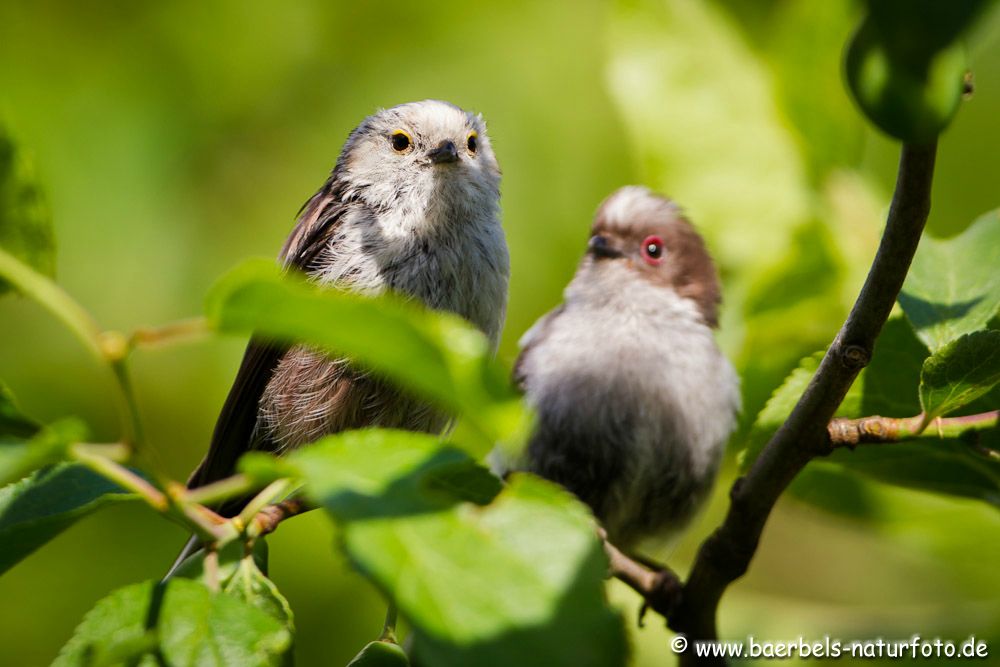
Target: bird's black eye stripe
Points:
(473, 142)
(400, 141)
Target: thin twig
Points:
(53, 298)
(272, 493)
(726, 554)
(389, 626)
(133, 433)
(204, 522)
(107, 347)
(660, 589)
(876, 429)
(211, 568)
(267, 520)
(172, 332)
(230, 487)
(120, 475)
(115, 451)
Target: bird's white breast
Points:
(460, 266)
(636, 373)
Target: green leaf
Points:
(959, 373)
(249, 584)
(242, 575)
(777, 409)
(703, 124)
(527, 565)
(467, 575)
(230, 558)
(912, 106)
(916, 28)
(18, 458)
(905, 65)
(39, 507)
(12, 421)
(377, 472)
(836, 490)
(199, 628)
(25, 225)
(436, 355)
(888, 387)
(380, 653)
(953, 287)
(948, 466)
(181, 621)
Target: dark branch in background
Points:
(726, 554)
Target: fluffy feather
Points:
(384, 220)
(635, 402)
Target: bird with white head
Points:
(413, 207)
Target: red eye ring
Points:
(652, 250)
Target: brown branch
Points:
(726, 554)
(659, 588)
(268, 518)
(852, 432)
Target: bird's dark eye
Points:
(652, 250)
(472, 142)
(401, 141)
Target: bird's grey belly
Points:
(622, 451)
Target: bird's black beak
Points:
(599, 246)
(444, 153)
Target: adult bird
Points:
(412, 206)
(634, 399)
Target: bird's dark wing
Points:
(318, 219)
(234, 429)
(235, 426)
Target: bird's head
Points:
(417, 153)
(642, 236)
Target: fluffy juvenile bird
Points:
(412, 206)
(634, 400)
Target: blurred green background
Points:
(175, 139)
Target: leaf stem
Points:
(172, 332)
(272, 493)
(389, 626)
(224, 489)
(120, 475)
(127, 405)
(208, 525)
(211, 569)
(108, 347)
(115, 451)
(53, 298)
